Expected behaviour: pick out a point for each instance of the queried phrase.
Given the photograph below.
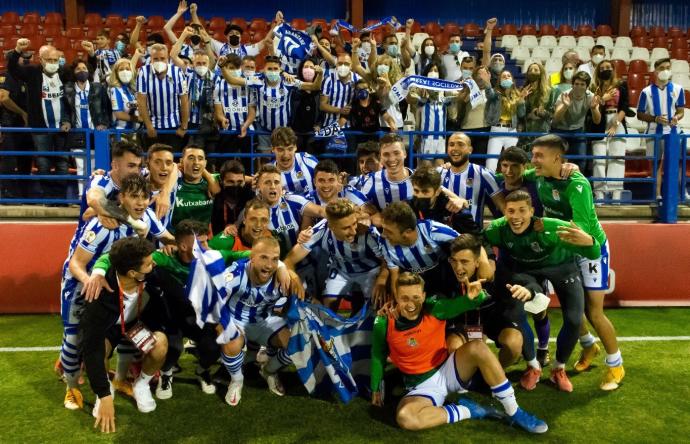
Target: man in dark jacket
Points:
(131, 312)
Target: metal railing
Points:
(643, 187)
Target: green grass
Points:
(652, 404)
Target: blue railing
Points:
(645, 186)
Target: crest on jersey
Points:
(579, 188)
(536, 247)
(429, 249)
(469, 181)
(300, 174)
(556, 195)
(412, 342)
(90, 236)
(510, 244)
(283, 205)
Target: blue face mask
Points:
(392, 50)
(506, 83)
(62, 61)
(273, 76)
(466, 74)
(454, 47)
(120, 47)
(362, 94)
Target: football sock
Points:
(234, 365)
(615, 359)
(543, 327)
(587, 340)
(456, 413)
(506, 395)
(534, 364)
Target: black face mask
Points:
(195, 40)
(421, 203)
(232, 192)
(82, 76)
(234, 40)
(606, 75)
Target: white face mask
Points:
(201, 70)
(664, 75)
(568, 73)
(432, 75)
(159, 67)
(51, 68)
(125, 76)
(429, 50)
(248, 73)
(366, 47)
(343, 70)
(596, 59)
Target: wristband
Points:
(98, 272)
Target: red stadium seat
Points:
(37, 41)
(585, 30)
(565, 30)
(10, 18)
(660, 42)
(217, 24)
(638, 168)
(7, 31)
(679, 42)
(416, 27)
(218, 35)
(633, 96)
(471, 30)
(10, 43)
(636, 80)
(255, 37)
(70, 54)
(652, 77)
(114, 21)
(638, 31)
(432, 28)
(604, 30)
(93, 20)
(641, 40)
(155, 22)
(509, 29)
(53, 18)
(441, 41)
(258, 24)
(547, 29)
(657, 31)
(528, 29)
(52, 30)
(75, 32)
(239, 21)
(33, 18)
(61, 42)
(299, 23)
(679, 53)
(92, 33)
(619, 66)
(638, 66)
(674, 32)
(687, 99)
(29, 30)
(131, 22)
(451, 28)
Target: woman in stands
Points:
(566, 83)
(539, 104)
(123, 93)
(306, 110)
(429, 55)
(607, 86)
(503, 112)
(382, 76)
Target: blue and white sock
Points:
(615, 359)
(456, 413)
(278, 360)
(506, 395)
(234, 365)
(587, 340)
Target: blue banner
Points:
(292, 42)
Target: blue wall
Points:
(661, 13)
(41, 6)
(556, 12)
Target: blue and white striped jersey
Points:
(380, 191)
(81, 105)
(348, 192)
(195, 85)
(224, 48)
(235, 101)
(273, 108)
(474, 184)
(357, 182)
(110, 190)
(167, 218)
(105, 59)
(286, 217)
(362, 255)
(426, 253)
(162, 95)
(339, 94)
(51, 98)
(243, 301)
(120, 98)
(432, 115)
(300, 179)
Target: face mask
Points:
(506, 83)
(51, 68)
(429, 50)
(366, 47)
(392, 50)
(343, 70)
(606, 75)
(232, 192)
(273, 76)
(362, 94)
(421, 203)
(382, 70)
(533, 77)
(497, 68)
(248, 73)
(596, 59)
(234, 40)
(664, 75)
(160, 67)
(201, 70)
(454, 48)
(466, 74)
(308, 74)
(568, 73)
(82, 76)
(62, 61)
(432, 75)
(195, 40)
(120, 47)
(125, 76)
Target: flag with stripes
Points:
(292, 42)
(331, 353)
(206, 284)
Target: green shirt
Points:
(532, 249)
(439, 308)
(192, 202)
(569, 199)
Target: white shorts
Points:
(261, 331)
(595, 273)
(433, 146)
(341, 284)
(446, 380)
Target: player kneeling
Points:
(128, 313)
(416, 344)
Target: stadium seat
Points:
(657, 31)
(687, 98)
(604, 30)
(509, 41)
(28, 29)
(93, 20)
(529, 41)
(658, 53)
(526, 64)
(520, 54)
(680, 67)
(541, 54)
(299, 23)
(131, 22)
(548, 41)
(155, 22)
(471, 30)
(75, 32)
(10, 18)
(586, 41)
(680, 54)
(605, 41)
(637, 31)
(7, 31)
(419, 37)
(239, 21)
(583, 54)
(432, 28)
(558, 52)
(33, 18)
(633, 96)
(53, 18)
(416, 27)
(547, 29)
(641, 41)
(565, 30)
(567, 41)
(621, 54)
(216, 24)
(452, 28)
(258, 24)
(61, 42)
(683, 80)
(675, 32)
(52, 30)
(441, 41)
(509, 29)
(92, 33)
(639, 53)
(659, 42)
(528, 29)
(623, 42)
(553, 65)
(37, 41)
(70, 54)
(584, 30)
(638, 168)
(114, 21)
(679, 42)
(9, 43)
(620, 67)
(637, 80)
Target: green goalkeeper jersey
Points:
(569, 199)
(533, 250)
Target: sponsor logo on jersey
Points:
(412, 342)
(90, 236)
(579, 188)
(556, 195)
